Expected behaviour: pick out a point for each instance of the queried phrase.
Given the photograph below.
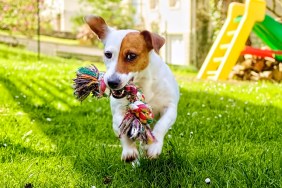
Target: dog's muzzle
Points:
(114, 82)
(120, 93)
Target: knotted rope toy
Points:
(138, 116)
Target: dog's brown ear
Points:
(153, 40)
(98, 25)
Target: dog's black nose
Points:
(113, 81)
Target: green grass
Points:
(229, 132)
(45, 38)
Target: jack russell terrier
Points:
(133, 55)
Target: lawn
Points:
(229, 132)
(45, 38)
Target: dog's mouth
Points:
(118, 94)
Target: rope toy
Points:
(138, 116)
(89, 80)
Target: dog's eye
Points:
(108, 54)
(130, 57)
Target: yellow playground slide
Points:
(231, 39)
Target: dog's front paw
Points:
(129, 154)
(154, 149)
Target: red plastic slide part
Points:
(260, 52)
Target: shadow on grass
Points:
(238, 145)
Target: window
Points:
(153, 4)
(174, 3)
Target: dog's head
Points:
(126, 52)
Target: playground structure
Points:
(241, 20)
(261, 52)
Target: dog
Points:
(131, 55)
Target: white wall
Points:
(174, 23)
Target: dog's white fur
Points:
(158, 85)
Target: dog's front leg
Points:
(129, 150)
(166, 120)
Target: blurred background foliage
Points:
(109, 9)
(19, 16)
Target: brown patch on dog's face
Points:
(153, 40)
(134, 54)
